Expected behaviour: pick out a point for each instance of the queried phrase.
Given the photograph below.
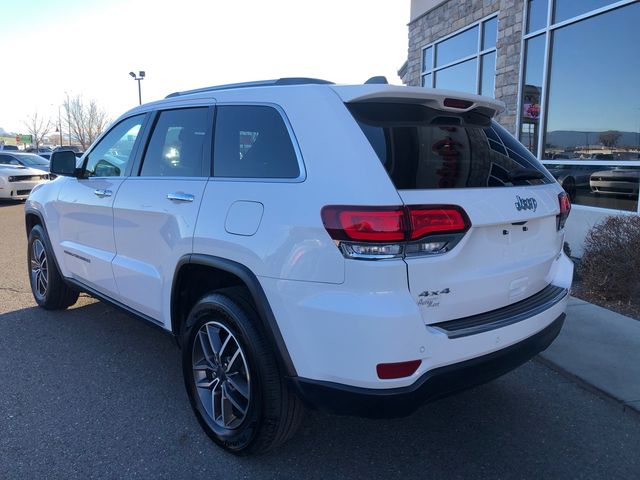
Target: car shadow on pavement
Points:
(93, 392)
(10, 203)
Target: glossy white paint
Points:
(499, 261)
(85, 230)
(339, 333)
(151, 234)
(339, 318)
(243, 218)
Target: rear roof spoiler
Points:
(446, 100)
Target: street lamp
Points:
(138, 78)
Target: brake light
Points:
(425, 221)
(397, 370)
(565, 209)
(371, 225)
(457, 103)
(391, 232)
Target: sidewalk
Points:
(600, 348)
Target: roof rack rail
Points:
(260, 83)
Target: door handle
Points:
(180, 197)
(101, 192)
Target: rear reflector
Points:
(457, 103)
(397, 370)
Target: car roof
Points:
(269, 89)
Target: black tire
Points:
(273, 412)
(49, 289)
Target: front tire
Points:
(231, 375)
(49, 289)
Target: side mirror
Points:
(63, 163)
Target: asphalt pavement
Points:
(93, 393)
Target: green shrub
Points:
(610, 266)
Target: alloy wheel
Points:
(39, 268)
(221, 375)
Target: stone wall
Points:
(452, 16)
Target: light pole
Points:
(60, 125)
(68, 107)
(138, 78)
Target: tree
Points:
(38, 127)
(85, 121)
(609, 138)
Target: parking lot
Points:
(91, 392)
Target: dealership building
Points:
(568, 72)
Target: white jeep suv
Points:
(357, 249)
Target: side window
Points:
(252, 142)
(5, 159)
(177, 145)
(111, 156)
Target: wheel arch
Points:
(235, 274)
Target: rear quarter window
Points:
(252, 141)
(424, 148)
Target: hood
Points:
(19, 170)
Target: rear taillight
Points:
(392, 232)
(565, 209)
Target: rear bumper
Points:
(434, 384)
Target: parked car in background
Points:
(77, 150)
(39, 150)
(573, 177)
(617, 181)
(13, 148)
(30, 160)
(17, 181)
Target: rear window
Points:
(425, 148)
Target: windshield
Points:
(425, 148)
(33, 160)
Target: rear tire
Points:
(49, 289)
(235, 387)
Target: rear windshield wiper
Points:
(526, 174)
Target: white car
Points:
(17, 181)
(357, 249)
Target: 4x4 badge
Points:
(432, 293)
(526, 203)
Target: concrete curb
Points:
(628, 407)
(599, 350)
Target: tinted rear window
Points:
(252, 141)
(424, 148)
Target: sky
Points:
(88, 47)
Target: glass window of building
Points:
(582, 116)
(565, 9)
(537, 14)
(531, 92)
(463, 61)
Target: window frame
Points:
(548, 30)
(135, 152)
(302, 175)
(480, 52)
(154, 116)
